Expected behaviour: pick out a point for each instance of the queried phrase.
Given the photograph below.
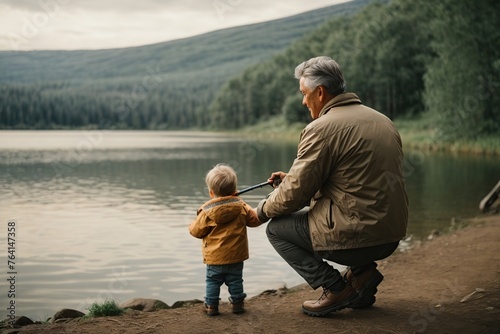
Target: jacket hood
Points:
(223, 209)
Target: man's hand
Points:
(276, 178)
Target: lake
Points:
(104, 214)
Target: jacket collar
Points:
(340, 100)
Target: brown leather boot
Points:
(238, 307)
(212, 310)
(365, 285)
(330, 302)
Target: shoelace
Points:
(323, 295)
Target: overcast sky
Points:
(101, 24)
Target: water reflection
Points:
(444, 186)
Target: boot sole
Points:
(336, 307)
(365, 302)
(367, 295)
(212, 313)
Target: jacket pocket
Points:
(330, 218)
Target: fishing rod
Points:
(275, 182)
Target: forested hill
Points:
(228, 50)
(160, 86)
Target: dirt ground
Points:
(421, 293)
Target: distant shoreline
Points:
(275, 130)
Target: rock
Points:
(267, 292)
(183, 303)
(433, 234)
(66, 313)
(144, 304)
(22, 321)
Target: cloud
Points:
(117, 6)
(21, 4)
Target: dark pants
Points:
(289, 235)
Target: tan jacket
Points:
(222, 224)
(349, 170)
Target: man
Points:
(349, 170)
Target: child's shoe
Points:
(212, 310)
(238, 307)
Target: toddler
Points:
(221, 224)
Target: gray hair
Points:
(322, 71)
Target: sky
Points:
(104, 24)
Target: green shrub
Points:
(106, 309)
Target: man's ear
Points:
(321, 93)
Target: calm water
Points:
(104, 215)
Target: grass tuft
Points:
(107, 308)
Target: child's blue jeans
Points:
(231, 275)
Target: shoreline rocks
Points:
(144, 304)
(66, 315)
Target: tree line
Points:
(404, 58)
(132, 106)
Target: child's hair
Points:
(222, 180)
